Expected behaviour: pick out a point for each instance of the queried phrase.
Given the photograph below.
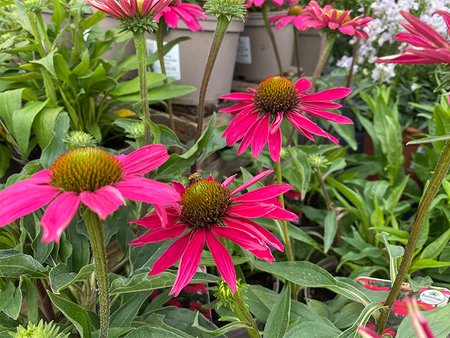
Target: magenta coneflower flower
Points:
(427, 45)
(259, 113)
(124, 9)
(208, 211)
(92, 177)
(316, 17)
(187, 12)
(259, 3)
(293, 16)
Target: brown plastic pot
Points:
(310, 46)
(256, 58)
(193, 55)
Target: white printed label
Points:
(244, 53)
(433, 297)
(171, 60)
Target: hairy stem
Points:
(160, 46)
(265, 14)
(431, 190)
(95, 231)
(330, 39)
(141, 54)
(221, 29)
(241, 310)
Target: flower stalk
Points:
(431, 190)
(160, 46)
(95, 232)
(221, 28)
(141, 54)
(329, 43)
(241, 310)
(265, 15)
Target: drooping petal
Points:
(303, 84)
(143, 160)
(58, 215)
(159, 235)
(171, 255)
(228, 181)
(275, 143)
(189, 261)
(223, 260)
(24, 198)
(239, 236)
(260, 135)
(250, 210)
(103, 201)
(327, 95)
(153, 221)
(148, 191)
(282, 214)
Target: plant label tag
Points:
(244, 52)
(171, 60)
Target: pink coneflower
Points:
(427, 45)
(259, 113)
(92, 177)
(316, 17)
(209, 210)
(293, 16)
(259, 3)
(187, 12)
(123, 9)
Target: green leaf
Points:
(169, 91)
(368, 311)
(310, 275)
(429, 139)
(61, 278)
(126, 313)
(10, 101)
(330, 228)
(427, 264)
(278, 320)
(77, 315)
(152, 332)
(56, 146)
(395, 252)
(435, 248)
(312, 330)
(44, 124)
(32, 300)
(347, 132)
(47, 62)
(126, 88)
(16, 264)
(5, 159)
(296, 170)
(22, 121)
(12, 310)
(6, 295)
(220, 331)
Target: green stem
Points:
(241, 310)
(330, 39)
(285, 229)
(141, 54)
(352, 67)
(160, 46)
(297, 56)
(221, 29)
(95, 232)
(265, 15)
(43, 31)
(431, 190)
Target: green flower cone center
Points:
(85, 169)
(204, 203)
(295, 10)
(339, 13)
(276, 94)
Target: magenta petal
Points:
(103, 201)
(275, 143)
(327, 95)
(239, 236)
(189, 261)
(58, 215)
(179, 187)
(303, 85)
(282, 214)
(148, 191)
(228, 181)
(250, 210)
(252, 181)
(238, 96)
(24, 198)
(260, 135)
(223, 260)
(159, 235)
(264, 193)
(153, 221)
(171, 255)
(143, 160)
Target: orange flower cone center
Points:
(204, 203)
(339, 14)
(295, 10)
(276, 94)
(85, 169)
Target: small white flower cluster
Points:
(384, 27)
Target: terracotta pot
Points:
(310, 46)
(256, 58)
(186, 61)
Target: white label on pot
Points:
(171, 60)
(433, 297)
(244, 53)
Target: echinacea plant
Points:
(41, 330)
(95, 183)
